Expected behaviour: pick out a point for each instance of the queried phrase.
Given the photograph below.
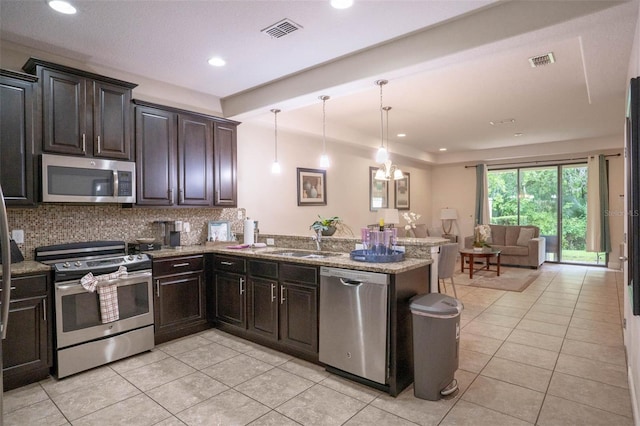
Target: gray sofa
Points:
(527, 249)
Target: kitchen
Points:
(269, 199)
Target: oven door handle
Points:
(122, 281)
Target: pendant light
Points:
(388, 170)
(275, 167)
(382, 155)
(324, 158)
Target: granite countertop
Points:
(341, 260)
(27, 267)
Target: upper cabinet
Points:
(18, 133)
(83, 113)
(184, 158)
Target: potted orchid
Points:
(411, 219)
(481, 235)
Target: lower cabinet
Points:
(27, 350)
(179, 301)
(269, 302)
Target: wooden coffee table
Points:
(486, 253)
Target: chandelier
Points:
(387, 170)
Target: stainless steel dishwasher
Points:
(353, 322)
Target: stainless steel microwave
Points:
(87, 180)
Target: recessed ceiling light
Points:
(443, 149)
(341, 4)
(401, 135)
(517, 135)
(501, 122)
(62, 7)
(217, 62)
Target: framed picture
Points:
(312, 187)
(378, 192)
(219, 230)
(401, 193)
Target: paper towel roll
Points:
(249, 227)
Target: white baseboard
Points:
(634, 397)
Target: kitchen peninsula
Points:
(271, 297)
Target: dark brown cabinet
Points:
(179, 302)
(27, 350)
(18, 133)
(299, 307)
(225, 151)
(278, 306)
(183, 158)
(229, 285)
(83, 113)
(263, 299)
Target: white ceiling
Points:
(452, 66)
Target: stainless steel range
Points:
(85, 337)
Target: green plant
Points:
(323, 224)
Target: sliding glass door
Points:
(553, 198)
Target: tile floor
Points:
(551, 355)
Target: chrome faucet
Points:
(317, 238)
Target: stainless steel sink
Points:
(304, 254)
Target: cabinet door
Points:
(65, 113)
(195, 161)
(156, 141)
(111, 121)
(17, 141)
(179, 301)
(299, 316)
(230, 299)
(26, 344)
(262, 307)
(225, 158)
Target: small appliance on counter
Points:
(16, 254)
(168, 232)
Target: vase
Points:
(477, 248)
(313, 193)
(329, 231)
(306, 186)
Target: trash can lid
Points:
(436, 305)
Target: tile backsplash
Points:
(50, 224)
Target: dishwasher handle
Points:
(351, 283)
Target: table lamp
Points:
(447, 216)
(390, 216)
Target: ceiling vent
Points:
(542, 60)
(281, 29)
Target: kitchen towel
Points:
(107, 292)
(249, 228)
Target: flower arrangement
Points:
(481, 235)
(411, 219)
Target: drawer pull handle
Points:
(44, 310)
(84, 143)
(157, 288)
(273, 292)
(180, 265)
(227, 263)
(241, 286)
(282, 294)
(12, 288)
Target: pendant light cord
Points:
(275, 117)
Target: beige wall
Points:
(272, 199)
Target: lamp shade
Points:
(390, 216)
(448, 214)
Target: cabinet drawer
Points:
(259, 268)
(230, 264)
(24, 287)
(299, 274)
(178, 265)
